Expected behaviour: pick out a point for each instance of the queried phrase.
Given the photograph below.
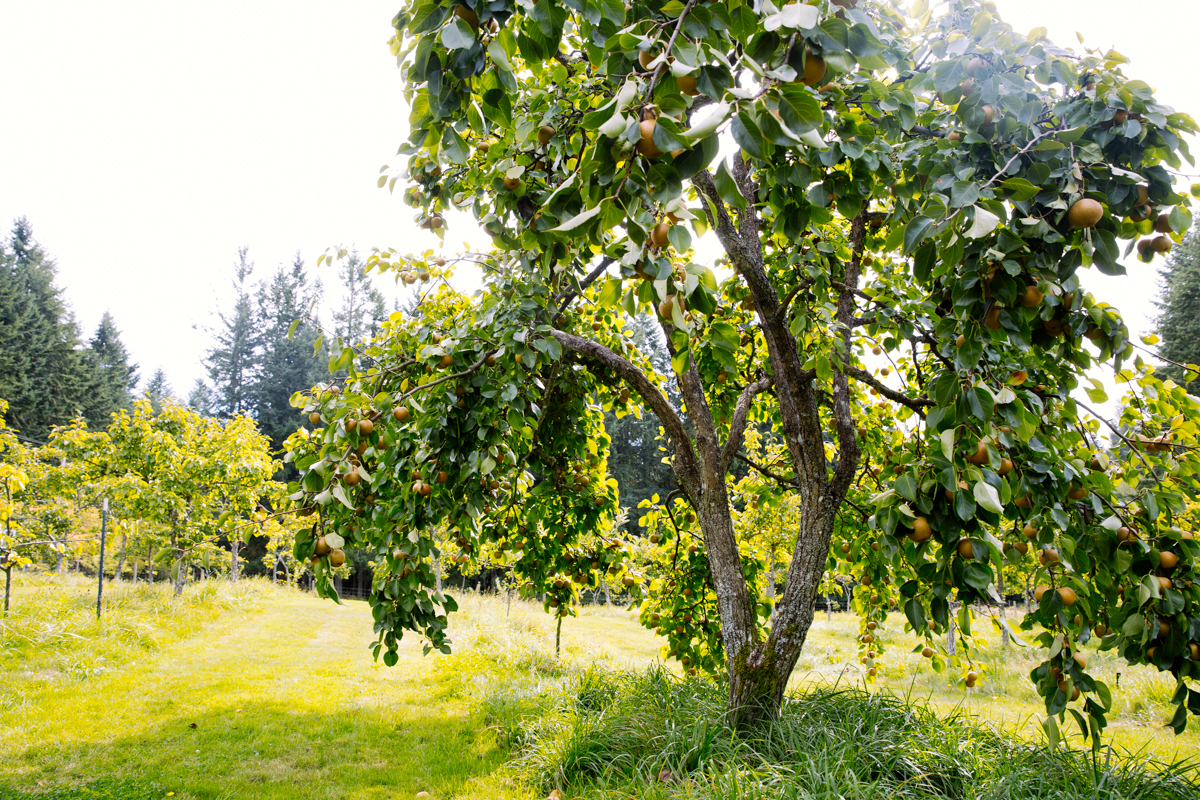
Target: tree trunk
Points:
(135, 566)
(950, 645)
(607, 595)
(180, 568)
(60, 555)
(759, 670)
(121, 558)
(558, 636)
(234, 545)
(771, 576)
(1003, 608)
(150, 563)
(437, 573)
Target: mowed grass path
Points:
(281, 702)
(286, 701)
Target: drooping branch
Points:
(605, 359)
(917, 404)
(737, 427)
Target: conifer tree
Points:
(112, 378)
(232, 361)
(363, 309)
(1179, 303)
(201, 399)
(42, 369)
(286, 365)
(158, 389)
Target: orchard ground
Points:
(267, 692)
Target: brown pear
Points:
(646, 145)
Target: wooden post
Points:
(8, 534)
(100, 571)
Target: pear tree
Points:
(907, 206)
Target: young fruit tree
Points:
(908, 206)
(197, 480)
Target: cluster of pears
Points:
(337, 557)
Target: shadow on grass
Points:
(266, 751)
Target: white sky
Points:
(147, 141)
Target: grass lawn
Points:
(258, 692)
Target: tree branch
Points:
(737, 427)
(588, 280)
(848, 451)
(766, 471)
(917, 404)
(614, 364)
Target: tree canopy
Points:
(908, 206)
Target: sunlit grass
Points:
(286, 701)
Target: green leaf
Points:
(861, 42)
(577, 220)
(335, 541)
(715, 115)
(681, 361)
(800, 109)
(916, 615)
(915, 232)
(498, 55)
(453, 146)
(984, 223)
(987, 497)
(457, 35)
(340, 494)
(727, 188)
(725, 336)
(1021, 189)
(610, 294)
(747, 134)
(667, 136)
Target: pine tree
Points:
(112, 377)
(1179, 306)
(634, 457)
(232, 361)
(43, 373)
(158, 389)
(363, 309)
(201, 399)
(286, 365)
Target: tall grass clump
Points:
(654, 735)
